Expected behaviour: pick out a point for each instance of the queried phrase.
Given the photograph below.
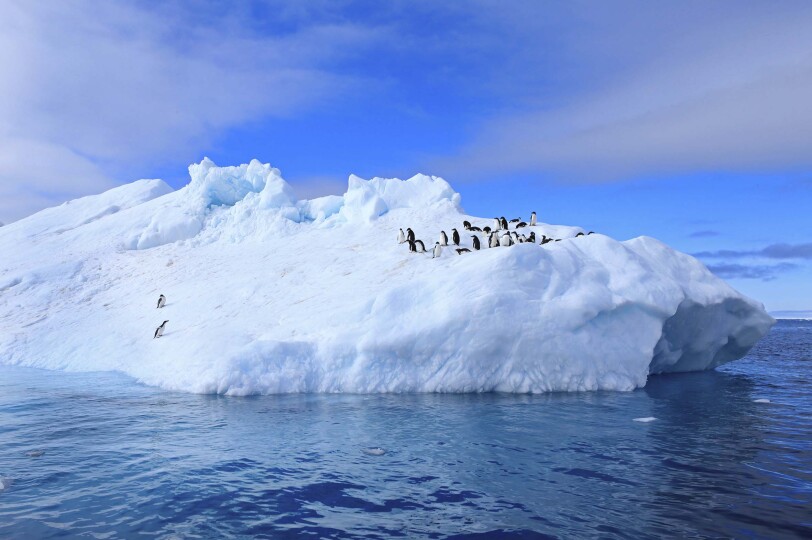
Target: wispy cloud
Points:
(742, 271)
(722, 88)
(703, 234)
(773, 251)
(89, 88)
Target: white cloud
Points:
(727, 91)
(96, 86)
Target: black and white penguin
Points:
(532, 219)
(401, 236)
(438, 248)
(514, 236)
(460, 251)
(476, 242)
(503, 222)
(412, 246)
(421, 247)
(493, 240)
(486, 230)
(532, 237)
(579, 234)
(521, 224)
(161, 301)
(515, 220)
(590, 232)
(443, 238)
(497, 224)
(506, 240)
(409, 235)
(455, 237)
(475, 229)
(466, 225)
(160, 330)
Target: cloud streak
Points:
(741, 271)
(773, 251)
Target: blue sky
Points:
(688, 121)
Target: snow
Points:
(269, 294)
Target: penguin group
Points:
(160, 330)
(497, 235)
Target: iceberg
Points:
(267, 293)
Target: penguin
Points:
(401, 237)
(515, 220)
(160, 330)
(486, 230)
(532, 237)
(475, 229)
(412, 246)
(422, 246)
(521, 224)
(515, 237)
(506, 240)
(443, 238)
(476, 242)
(460, 251)
(590, 232)
(493, 240)
(503, 222)
(466, 225)
(438, 248)
(455, 236)
(161, 301)
(579, 234)
(409, 235)
(532, 219)
(496, 224)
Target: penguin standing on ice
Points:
(532, 237)
(160, 330)
(503, 222)
(496, 224)
(466, 225)
(420, 246)
(409, 235)
(455, 236)
(161, 301)
(493, 241)
(476, 242)
(506, 240)
(443, 238)
(532, 219)
(401, 237)
(438, 248)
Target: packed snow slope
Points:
(267, 294)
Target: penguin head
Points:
(163, 323)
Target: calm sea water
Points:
(99, 456)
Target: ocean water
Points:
(96, 455)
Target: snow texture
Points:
(269, 294)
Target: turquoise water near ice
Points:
(97, 455)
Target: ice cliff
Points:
(268, 293)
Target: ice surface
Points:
(266, 294)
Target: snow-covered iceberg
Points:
(268, 293)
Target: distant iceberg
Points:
(267, 293)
